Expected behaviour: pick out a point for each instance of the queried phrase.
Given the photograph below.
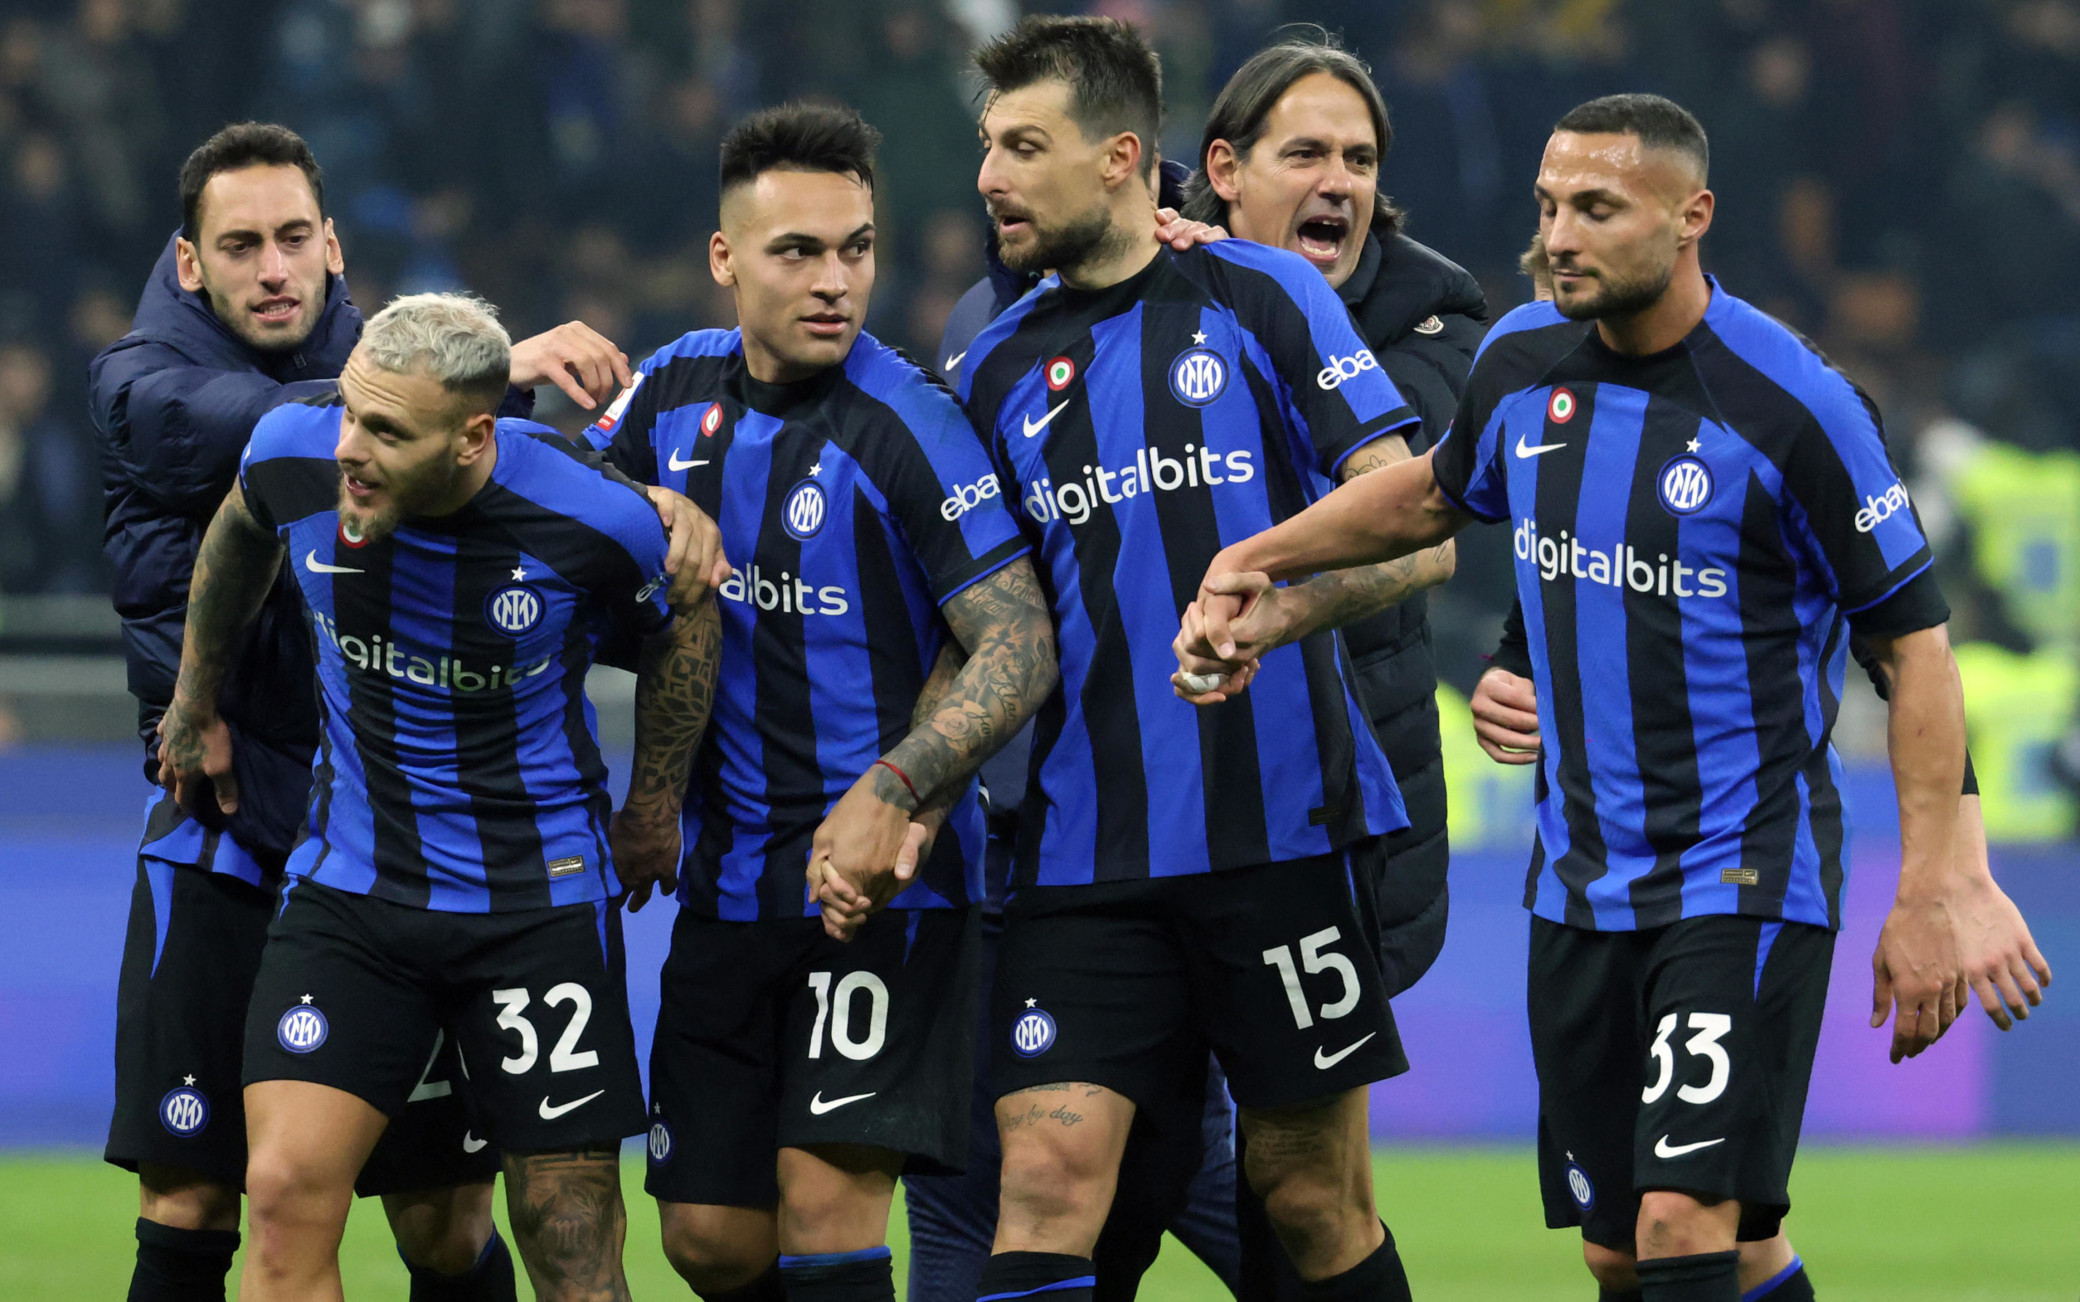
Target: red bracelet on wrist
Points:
(907, 785)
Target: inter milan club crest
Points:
(1560, 409)
(302, 1028)
(1198, 375)
(803, 513)
(1033, 1033)
(660, 1142)
(514, 609)
(1686, 485)
(1578, 1186)
(1059, 372)
(184, 1111)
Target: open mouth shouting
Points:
(1321, 238)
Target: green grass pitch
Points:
(1993, 1223)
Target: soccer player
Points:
(883, 633)
(1704, 512)
(248, 309)
(457, 573)
(1179, 874)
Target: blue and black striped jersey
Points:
(1695, 532)
(458, 768)
(1141, 428)
(851, 505)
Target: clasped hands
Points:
(865, 852)
(1237, 617)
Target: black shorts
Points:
(189, 960)
(1675, 1058)
(353, 990)
(1272, 966)
(771, 1034)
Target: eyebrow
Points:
(1592, 195)
(1326, 146)
(288, 227)
(802, 239)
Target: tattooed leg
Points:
(1312, 1166)
(569, 1223)
(1062, 1145)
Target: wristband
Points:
(917, 802)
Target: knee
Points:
(277, 1187)
(186, 1200)
(1056, 1181)
(1673, 1224)
(443, 1230)
(711, 1258)
(1615, 1271)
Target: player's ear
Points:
(1122, 160)
(335, 261)
(1223, 165)
(478, 432)
(1697, 216)
(721, 264)
(187, 264)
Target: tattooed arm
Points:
(1003, 624)
(1330, 599)
(233, 571)
(675, 692)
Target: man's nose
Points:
(274, 264)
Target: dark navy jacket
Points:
(173, 403)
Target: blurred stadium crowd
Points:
(1900, 179)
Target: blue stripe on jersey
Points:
(417, 592)
(1601, 647)
(937, 424)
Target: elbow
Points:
(1046, 673)
(1444, 562)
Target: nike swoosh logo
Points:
(1662, 1148)
(1035, 426)
(550, 1114)
(817, 1107)
(316, 566)
(1324, 1061)
(1532, 450)
(954, 360)
(471, 1144)
(673, 463)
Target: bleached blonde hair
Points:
(454, 338)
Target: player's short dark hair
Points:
(1241, 108)
(807, 137)
(1659, 123)
(239, 146)
(1115, 79)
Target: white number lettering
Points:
(566, 1056)
(1661, 1053)
(877, 1015)
(820, 982)
(1314, 960)
(1282, 959)
(511, 1004)
(428, 1088)
(1705, 1044)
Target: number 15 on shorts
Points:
(1313, 959)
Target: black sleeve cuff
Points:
(517, 404)
(1914, 605)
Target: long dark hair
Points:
(1255, 89)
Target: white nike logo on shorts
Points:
(316, 566)
(1662, 1148)
(550, 1114)
(1035, 426)
(817, 1107)
(1324, 1061)
(471, 1144)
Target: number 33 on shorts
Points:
(1708, 1029)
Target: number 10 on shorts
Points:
(1312, 960)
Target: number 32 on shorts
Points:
(566, 1056)
(1709, 1027)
